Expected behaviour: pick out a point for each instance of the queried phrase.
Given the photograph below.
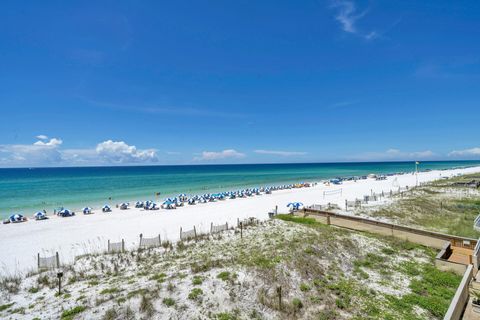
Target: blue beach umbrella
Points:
(295, 205)
(15, 217)
(40, 216)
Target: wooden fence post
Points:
(279, 293)
(180, 233)
(108, 246)
(123, 245)
(159, 240)
(241, 230)
(38, 260)
(57, 259)
(195, 232)
(141, 236)
(346, 205)
(211, 228)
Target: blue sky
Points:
(181, 82)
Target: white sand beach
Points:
(20, 243)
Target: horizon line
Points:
(233, 164)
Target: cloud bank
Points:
(220, 155)
(396, 154)
(281, 153)
(46, 152)
(469, 153)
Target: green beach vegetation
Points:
(444, 206)
(290, 267)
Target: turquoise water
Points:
(28, 190)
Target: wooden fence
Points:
(424, 237)
(218, 228)
(461, 298)
(150, 242)
(188, 235)
(45, 263)
(116, 246)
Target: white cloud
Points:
(30, 154)
(472, 152)
(281, 153)
(42, 137)
(225, 154)
(347, 15)
(395, 154)
(120, 152)
(49, 153)
(54, 142)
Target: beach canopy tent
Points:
(139, 204)
(152, 206)
(40, 216)
(124, 206)
(66, 213)
(168, 204)
(87, 210)
(16, 218)
(106, 208)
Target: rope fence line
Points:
(372, 197)
(53, 262)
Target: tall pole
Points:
(416, 173)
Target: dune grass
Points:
(439, 206)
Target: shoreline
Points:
(96, 206)
(26, 192)
(89, 233)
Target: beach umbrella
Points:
(40, 216)
(15, 217)
(295, 205)
(65, 213)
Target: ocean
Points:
(27, 190)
